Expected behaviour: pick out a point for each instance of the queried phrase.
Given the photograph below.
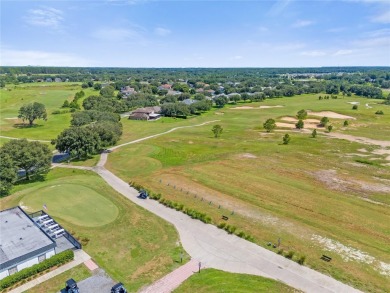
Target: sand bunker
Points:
(330, 114)
(260, 107)
(243, 108)
(12, 118)
(285, 125)
(267, 107)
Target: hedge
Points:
(55, 260)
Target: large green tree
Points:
(8, 173)
(32, 156)
(302, 114)
(269, 125)
(78, 141)
(32, 111)
(217, 130)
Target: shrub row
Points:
(64, 111)
(290, 255)
(232, 230)
(55, 260)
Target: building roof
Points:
(139, 115)
(20, 237)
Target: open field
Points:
(52, 95)
(57, 283)
(320, 196)
(135, 248)
(215, 281)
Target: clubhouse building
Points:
(28, 240)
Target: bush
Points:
(354, 107)
(290, 254)
(379, 112)
(55, 260)
(280, 251)
(221, 225)
(301, 260)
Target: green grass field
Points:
(215, 281)
(57, 283)
(134, 246)
(52, 95)
(72, 202)
(309, 188)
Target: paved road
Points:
(217, 249)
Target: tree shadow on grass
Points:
(26, 125)
(33, 178)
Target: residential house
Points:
(147, 113)
(57, 79)
(165, 87)
(127, 91)
(188, 101)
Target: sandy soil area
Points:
(261, 107)
(330, 114)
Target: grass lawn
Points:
(309, 188)
(72, 202)
(135, 247)
(215, 281)
(57, 283)
(52, 95)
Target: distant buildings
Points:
(147, 113)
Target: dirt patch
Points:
(242, 108)
(285, 125)
(364, 140)
(219, 113)
(267, 107)
(289, 119)
(352, 254)
(247, 156)
(330, 114)
(331, 179)
(190, 142)
(362, 150)
(12, 118)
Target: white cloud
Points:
(373, 42)
(40, 58)
(313, 53)
(289, 46)
(343, 52)
(46, 17)
(162, 31)
(237, 57)
(118, 34)
(384, 17)
(302, 23)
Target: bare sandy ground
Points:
(364, 140)
(330, 114)
(260, 107)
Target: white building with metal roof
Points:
(22, 242)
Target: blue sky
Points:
(136, 33)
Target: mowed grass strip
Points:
(216, 281)
(293, 192)
(136, 248)
(57, 283)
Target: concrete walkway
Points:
(217, 249)
(173, 280)
(80, 256)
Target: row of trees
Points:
(30, 158)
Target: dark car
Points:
(71, 286)
(118, 288)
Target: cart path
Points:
(215, 248)
(8, 137)
(173, 280)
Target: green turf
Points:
(215, 281)
(277, 191)
(57, 283)
(52, 95)
(74, 203)
(136, 248)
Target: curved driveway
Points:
(215, 248)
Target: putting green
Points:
(74, 203)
